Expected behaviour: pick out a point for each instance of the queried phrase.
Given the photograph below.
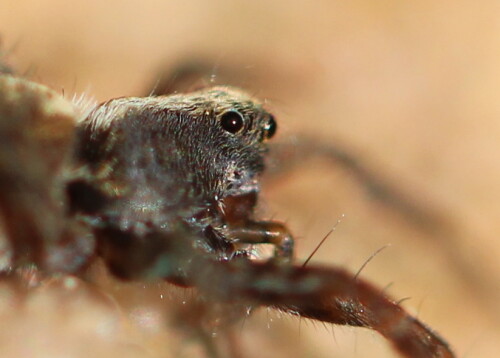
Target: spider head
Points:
(186, 150)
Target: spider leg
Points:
(326, 294)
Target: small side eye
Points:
(232, 121)
(270, 127)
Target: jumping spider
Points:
(164, 188)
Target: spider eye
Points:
(270, 127)
(232, 121)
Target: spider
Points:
(165, 188)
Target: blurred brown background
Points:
(409, 88)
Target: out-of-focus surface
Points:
(410, 89)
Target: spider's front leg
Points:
(325, 294)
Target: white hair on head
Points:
(84, 104)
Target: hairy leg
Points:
(326, 294)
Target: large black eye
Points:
(270, 127)
(232, 121)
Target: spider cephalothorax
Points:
(165, 188)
